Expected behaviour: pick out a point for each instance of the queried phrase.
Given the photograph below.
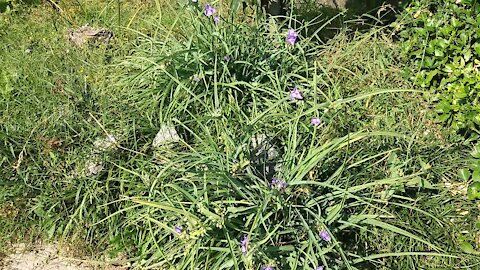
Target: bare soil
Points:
(41, 257)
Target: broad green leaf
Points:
(467, 248)
(464, 174)
(476, 175)
(476, 151)
(476, 46)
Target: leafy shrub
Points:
(442, 41)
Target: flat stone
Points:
(104, 144)
(166, 135)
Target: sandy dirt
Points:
(43, 257)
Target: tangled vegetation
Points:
(200, 139)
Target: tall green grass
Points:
(366, 175)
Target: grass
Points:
(371, 174)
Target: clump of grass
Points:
(228, 82)
(47, 88)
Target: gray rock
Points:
(86, 34)
(93, 166)
(104, 144)
(265, 156)
(166, 135)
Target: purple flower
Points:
(216, 19)
(291, 36)
(319, 268)
(244, 244)
(274, 182)
(315, 121)
(268, 267)
(178, 229)
(226, 58)
(279, 184)
(209, 10)
(196, 78)
(295, 94)
(325, 236)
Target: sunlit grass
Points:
(367, 175)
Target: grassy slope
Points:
(50, 95)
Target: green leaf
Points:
(430, 76)
(234, 4)
(476, 151)
(449, 68)
(443, 117)
(467, 248)
(463, 38)
(455, 22)
(443, 107)
(464, 174)
(476, 46)
(473, 191)
(442, 43)
(476, 175)
(51, 231)
(439, 52)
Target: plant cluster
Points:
(258, 182)
(221, 142)
(441, 39)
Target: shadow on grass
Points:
(5, 4)
(333, 15)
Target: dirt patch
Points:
(43, 257)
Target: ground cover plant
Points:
(441, 39)
(213, 141)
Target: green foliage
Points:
(442, 41)
(368, 174)
(474, 191)
(213, 186)
(472, 174)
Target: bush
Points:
(442, 41)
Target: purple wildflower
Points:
(244, 244)
(295, 94)
(274, 182)
(178, 229)
(315, 121)
(325, 236)
(216, 19)
(291, 36)
(268, 267)
(279, 184)
(226, 58)
(196, 78)
(209, 10)
(319, 268)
